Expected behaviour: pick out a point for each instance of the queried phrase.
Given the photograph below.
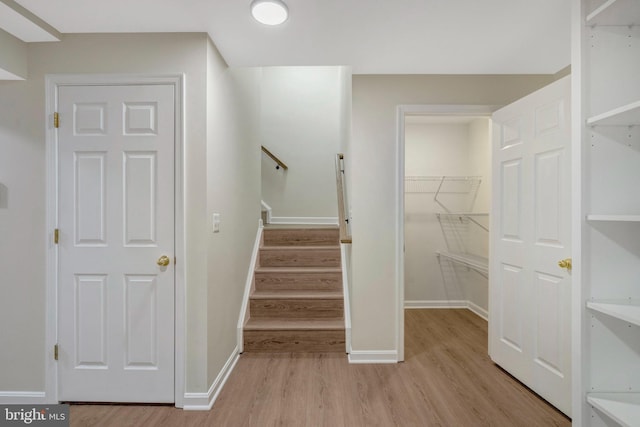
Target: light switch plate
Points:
(216, 222)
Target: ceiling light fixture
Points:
(269, 12)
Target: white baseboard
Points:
(435, 304)
(304, 220)
(23, 398)
(205, 401)
(476, 309)
(373, 356)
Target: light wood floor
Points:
(446, 380)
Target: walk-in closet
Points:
(447, 200)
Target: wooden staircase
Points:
(297, 303)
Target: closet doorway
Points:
(447, 198)
(417, 288)
(530, 295)
(446, 221)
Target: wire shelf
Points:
(441, 184)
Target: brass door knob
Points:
(163, 261)
(565, 263)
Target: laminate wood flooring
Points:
(447, 379)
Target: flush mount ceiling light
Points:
(269, 12)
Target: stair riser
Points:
(294, 341)
(297, 309)
(276, 281)
(306, 237)
(304, 258)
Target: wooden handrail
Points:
(345, 234)
(279, 163)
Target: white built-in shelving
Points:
(615, 12)
(607, 67)
(623, 408)
(625, 115)
(613, 218)
(625, 311)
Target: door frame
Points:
(52, 83)
(401, 112)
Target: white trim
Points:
(23, 398)
(373, 356)
(51, 250)
(267, 209)
(580, 412)
(52, 83)
(304, 220)
(180, 299)
(346, 291)
(205, 401)
(401, 112)
(248, 287)
(400, 244)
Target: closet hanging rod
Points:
(479, 264)
(467, 215)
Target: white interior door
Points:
(529, 294)
(116, 221)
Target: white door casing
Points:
(116, 219)
(529, 294)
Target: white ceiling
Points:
(372, 36)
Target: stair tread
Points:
(299, 248)
(297, 294)
(301, 227)
(263, 324)
(261, 269)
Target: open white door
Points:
(529, 293)
(116, 244)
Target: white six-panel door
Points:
(116, 220)
(529, 301)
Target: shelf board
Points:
(623, 310)
(464, 213)
(615, 12)
(626, 115)
(475, 262)
(614, 218)
(623, 408)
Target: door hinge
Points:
(56, 236)
(56, 120)
(55, 352)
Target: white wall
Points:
(303, 122)
(13, 57)
(207, 128)
(374, 192)
(22, 240)
(233, 191)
